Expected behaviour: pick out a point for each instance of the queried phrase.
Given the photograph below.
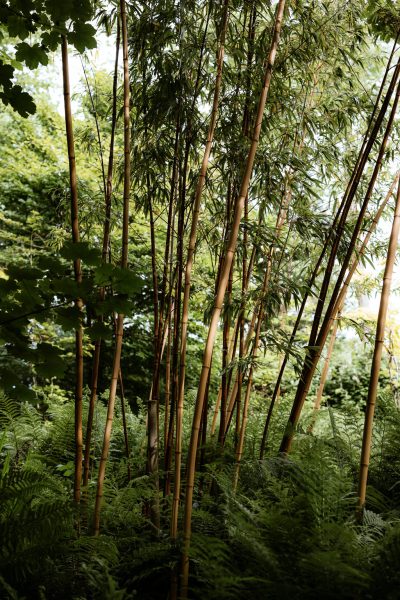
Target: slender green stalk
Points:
(77, 272)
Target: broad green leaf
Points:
(50, 263)
(82, 250)
(67, 287)
(32, 56)
(6, 74)
(22, 393)
(99, 331)
(21, 273)
(69, 318)
(123, 281)
(51, 39)
(20, 101)
(49, 363)
(127, 282)
(116, 304)
(18, 26)
(103, 275)
(83, 36)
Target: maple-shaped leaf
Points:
(32, 56)
(20, 101)
(83, 36)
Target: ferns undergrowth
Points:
(287, 532)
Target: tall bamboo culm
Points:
(342, 295)
(77, 272)
(104, 254)
(376, 360)
(188, 272)
(124, 264)
(208, 351)
(335, 232)
(315, 352)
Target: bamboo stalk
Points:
(165, 297)
(232, 346)
(124, 265)
(342, 295)
(315, 352)
(241, 324)
(353, 181)
(77, 272)
(175, 364)
(177, 314)
(188, 273)
(167, 379)
(153, 265)
(225, 346)
(300, 314)
(219, 300)
(105, 249)
(324, 373)
(376, 361)
(350, 194)
(361, 251)
(234, 391)
(171, 421)
(257, 315)
(260, 318)
(153, 403)
(282, 215)
(124, 424)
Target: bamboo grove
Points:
(223, 186)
